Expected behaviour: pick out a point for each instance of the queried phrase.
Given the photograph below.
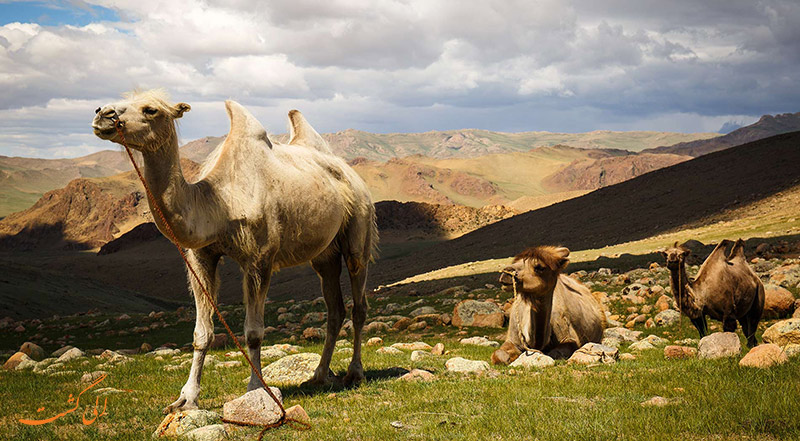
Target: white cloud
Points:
(403, 65)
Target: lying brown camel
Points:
(552, 312)
(725, 289)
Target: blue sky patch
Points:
(55, 13)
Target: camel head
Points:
(675, 255)
(146, 118)
(535, 271)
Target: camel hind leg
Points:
(205, 265)
(357, 247)
(329, 268)
(254, 288)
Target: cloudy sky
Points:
(397, 65)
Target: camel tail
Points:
(374, 237)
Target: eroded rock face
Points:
(477, 313)
(764, 356)
(719, 345)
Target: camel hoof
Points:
(317, 382)
(179, 405)
(353, 379)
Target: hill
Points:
(766, 126)
(650, 204)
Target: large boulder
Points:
(254, 407)
(787, 276)
(719, 345)
(592, 353)
(784, 332)
(291, 370)
(764, 356)
(477, 313)
(778, 301)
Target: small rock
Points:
(622, 334)
(679, 352)
(214, 432)
(663, 303)
(389, 350)
(719, 345)
(778, 302)
(254, 407)
(375, 341)
(791, 350)
(417, 326)
(592, 353)
(764, 356)
(419, 355)
(91, 377)
(313, 334)
(422, 311)
(58, 352)
(667, 317)
(297, 413)
(438, 349)
(642, 345)
(416, 346)
(533, 359)
(402, 324)
(479, 341)
(656, 401)
(445, 318)
(69, 355)
(627, 357)
(179, 423)
(376, 327)
(458, 364)
(418, 374)
(655, 340)
(145, 347)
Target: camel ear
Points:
(179, 109)
(563, 257)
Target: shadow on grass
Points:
(337, 385)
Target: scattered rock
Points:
(778, 301)
(611, 342)
(375, 341)
(214, 432)
(663, 303)
(418, 326)
(458, 364)
(254, 407)
(445, 318)
(642, 345)
(438, 349)
(58, 352)
(477, 313)
(418, 375)
(655, 340)
(656, 401)
(533, 359)
(422, 311)
(18, 362)
(764, 356)
(479, 341)
(783, 332)
(667, 317)
(297, 413)
(679, 352)
(376, 327)
(719, 345)
(69, 355)
(32, 350)
(419, 355)
(627, 357)
(791, 350)
(622, 334)
(402, 324)
(416, 346)
(313, 317)
(91, 377)
(787, 275)
(179, 423)
(592, 353)
(313, 334)
(291, 370)
(389, 350)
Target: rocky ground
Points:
(426, 359)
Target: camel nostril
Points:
(96, 111)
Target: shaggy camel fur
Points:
(267, 206)
(725, 289)
(552, 312)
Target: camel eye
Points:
(149, 111)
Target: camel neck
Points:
(683, 292)
(540, 310)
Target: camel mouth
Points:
(507, 281)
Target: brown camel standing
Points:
(725, 289)
(267, 206)
(552, 312)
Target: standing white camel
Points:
(267, 206)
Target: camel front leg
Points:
(358, 284)
(255, 288)
(205, 265)
(329, 271)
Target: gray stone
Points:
(422, 311)
(622, 334)
(719, 345)
(458, 364)
(419, 355)
(389, 350)
(592, 353)
(58, 352)
(477, 313)
(784, 332)
(254, 407)
(479, 341)
(611, 342)
(70, 355)
(291, 370)
(642, 345)
(668, 317)
(533, 359)
(655, 340)
(213, 432)
(179, 423)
